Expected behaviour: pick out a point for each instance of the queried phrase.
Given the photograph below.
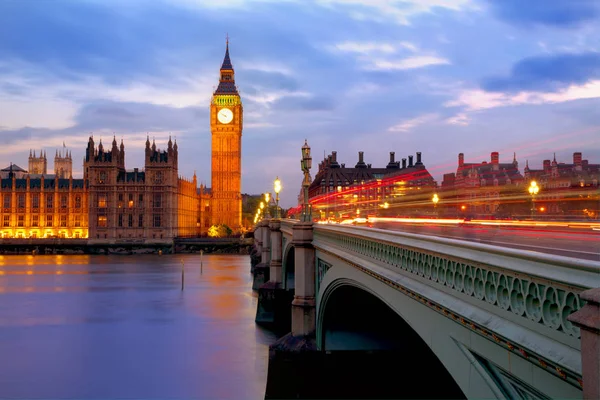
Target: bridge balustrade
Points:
(520, 300)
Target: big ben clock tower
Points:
(226, 127)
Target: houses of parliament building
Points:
(113, 204)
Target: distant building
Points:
(38, 165)
(42, 208)
(400, 187)
(567, 189)
(479, 188)
(63, 164)
(13, 170)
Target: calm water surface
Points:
(120, 326)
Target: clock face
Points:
(225, 115)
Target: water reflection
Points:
(106, 326)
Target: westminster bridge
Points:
(487, 322)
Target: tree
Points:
(220, 230)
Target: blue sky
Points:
(435, 76)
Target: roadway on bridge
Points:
(568, 242)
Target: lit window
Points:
(102, 221)
(102, 201)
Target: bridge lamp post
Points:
(435, 200)
(277, 188)
(305, 164)
(533, 190)
(267, 198)
(262, 206)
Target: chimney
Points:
(495, 157)
(368, 165)
(343, 165)
(419, 158)
(410, 161)
(547, 165)
(404, 163)
(577, 159)
(392, 163)
(461, 160)
(361, 162)
(334, 163)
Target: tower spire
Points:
(227, 61)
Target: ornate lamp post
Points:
(305, 164)
(267, 198)
(277, 188)
(435, 200)
(533, 190)
(262, 205)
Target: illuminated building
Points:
(43, 208)
(567, 189)
(338, 191)
(226, 117)
(152, 205)
(481, 188)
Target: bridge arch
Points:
(354, 319)
(288, 268)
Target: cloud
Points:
(375, 56)
(461, 119)
(398, 11)
(547, 73)
(406, 63)
(409, 124)
(558, 13)
(304, 103)
(478, 99)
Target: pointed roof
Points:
(226, 86)
(226, 61)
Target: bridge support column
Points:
(256, 252)
(274, 301)
(292, 359)
(261, 271)
(588, 319)
(276, 244)
(304, 304)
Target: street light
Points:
(305, 164)
(277, 188)
(435, 200)
(533, 190)
(267, 198)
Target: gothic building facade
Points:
(149, 205)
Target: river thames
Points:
(121, 326)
